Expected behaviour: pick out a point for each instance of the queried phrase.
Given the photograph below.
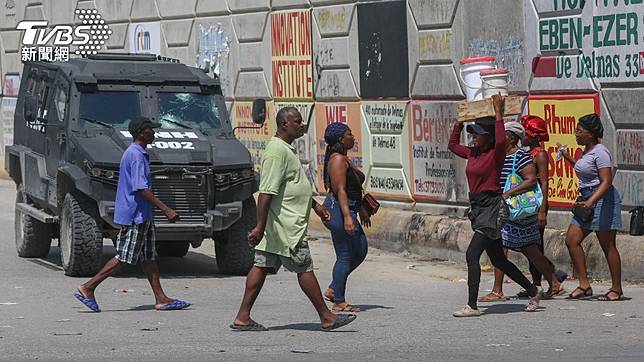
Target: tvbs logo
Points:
(42, 43)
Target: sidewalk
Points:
(447, 237)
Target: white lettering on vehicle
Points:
(166, 135)
(162, 145)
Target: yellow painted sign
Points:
(562, 114)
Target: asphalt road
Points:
(408, 305)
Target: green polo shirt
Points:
(283, 177)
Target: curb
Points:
(447, 237)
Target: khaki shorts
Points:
(300, 260)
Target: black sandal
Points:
(605, 298)
(586, 293)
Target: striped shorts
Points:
(136, 243)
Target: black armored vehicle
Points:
(70, 130)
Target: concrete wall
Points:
(344, 70)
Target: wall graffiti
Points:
(630, 148)
(434, 44)
(213, 47)
(630, 186)
(332, 20)
(508, 53)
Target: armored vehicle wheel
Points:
(173, 248)
(81, 240)
(233, 254)
(33, 238)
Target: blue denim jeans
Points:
(350, 250)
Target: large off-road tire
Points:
(173, 248)
(33, 238)
(234, 255)
(81, 239)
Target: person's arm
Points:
(321, 211)
(149, 196)
(454, 142)
(605, 173)
(542, 170)
(263, 204)
(338, 168)
(605, 181)
(498, 101)
(529, 175)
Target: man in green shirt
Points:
(283, 208)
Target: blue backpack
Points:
(523, 205)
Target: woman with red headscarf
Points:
(536, 133)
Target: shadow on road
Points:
(305, 327)
(193, 265)
(365, 307)
(506, 308)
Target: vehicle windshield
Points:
(113, 108)
(190, 110)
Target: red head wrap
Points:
(535, 127)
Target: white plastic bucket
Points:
(471, 77)
(494, 81)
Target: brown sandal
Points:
(345, 307)
(551, 293)
(493, 297)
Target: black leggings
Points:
(494, 251)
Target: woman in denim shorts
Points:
(597, 192)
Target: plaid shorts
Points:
(136, 243)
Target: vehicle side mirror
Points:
(30, 108)
(259, 111)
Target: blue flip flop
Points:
(175, 305)
(89, 302)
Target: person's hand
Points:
(322, 212)
(506, 195)
(542, 219)
(171, 215)
(498, 101)
(255, 235)
(365, 219)
(349, 225)
(586, 203)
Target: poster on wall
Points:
(382, 47)
(385, 149)
(7, 110)
(255, 139)
(11, 85)
(436, 173)
(327, 113)
(562, 113)
(145, 38)
(291, 55)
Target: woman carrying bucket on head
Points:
(487, 208)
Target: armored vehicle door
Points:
(55, 129)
